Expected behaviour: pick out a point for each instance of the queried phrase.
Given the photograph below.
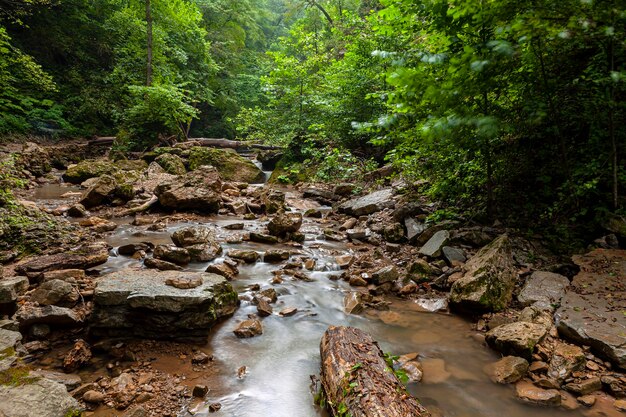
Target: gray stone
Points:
(284, 223)
(263, 238)
(507, 370)
(77, 210)
(198, 190)
(11, 288)
(55, 292)
(9, 340)
(71, 381)
(153, 263)
(387, 274)
(454, 256)
(432, 248)
(276, 255)
(38, 398)
(204, 252)
(248, 256)
(413, 228)
(100, 192)
(487, 284)
(28, 315)
(545, 287)
(565, 360)
(173, 254)
(193, 235)
(590, 317)
(518, 339)
(140, 303)
(368, 204)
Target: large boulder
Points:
(29, 314)
(101, 191)
(284, 223)
(34, 158)
(11, 288)
(172, 164)
(145, 304)
(33, 396)
(84, 170)
(518, 339)
(193, 235)
(84, 257)
(55, 292)
(591, 311)
(545, 287)
(489, 278)
(231, 166)
(197, 190)
(368, 204)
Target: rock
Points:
(172, 164)
(37, 398)
(411, 366)
(518, 339)
(263, 307)
(487, 284)
(565, 360)
(590, 400)
(85, 257)
(538, 367)
(276, 256)
(193, 235)
(99, 193)
(284, 223)
(273, 201)
(71, 381)
(140, 303)
(507, 370)
(248, 256)
(173, 254)
(227, 271)
(39, 331)
(453, 256)
(269, 159)
(591, 318)
(357, 281)
(184, 283)
(527, 392)
(263, 238)
(344, 189)
(11, 288)
(230, 165)
(86, 169)
(77, 357)
(9, 340)
(545, 287)
(98, 225)
(201, 358)
(77, 210)
(387, 274)
(249, 328)
(94, 397)
(353, 303)
(197, 190)
(615, 224)
(200, 391)
(288, 311)
(393, 232)
(433, 247)
(68, 275)
(584, 387)
(344, 261)
(28, 314)
(320, 195)
(413, 228)
(348, 224)
(55, 292)
(270, 294)
(568, 401)
(422, 267)
(368, 204)
(132, 248)
(153, 263)
(214, 407)
(34, 159)
(204, 252)
(620, 405)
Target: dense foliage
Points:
(498, 108)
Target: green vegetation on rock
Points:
(231, 166)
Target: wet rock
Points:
(288, 311)
(214, 407)
(71, 381)
(284, 223)
(276, 255)
(98, 224)
(36, 397)
(538, 367)
(102, 191)
(248, 256)
(507, 370)
(433, 247)
(591, 318)
(422, 267)
(77, 211)
(227, 271)
(55, 292)
(357, 234)
(353, 303)
(193, 235)
(589, 401)
(230, 165)
(348, 224)
(357, 281)
(248, 328)
(197, 190)
(28, 314)
(173, 254)
(153, 263)
(263, 238)
(201, 358)
(11, 288)
(368, 204)
(263, 307)
(200, 391)
(273, 201)
(565, 360)
(584, 387)
(184, 283)
(234, 226)
(518, 339)
(85, 257)
(387, 274)
(84, 170)
(270, 294)
(204, 252)
(77, 357)
(172, 164)
(393, 232)
(344, 261)
(140, 303)
(487, 284)
(620, 405)
(453, 256)
(132, 248)
(527, 392)
(545, 287)
(410, 364)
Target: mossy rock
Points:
(230, 165)
(88, 168)
(172, 164)
(131, 165)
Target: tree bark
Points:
(226, 143)
(149, 43)
(357, 381)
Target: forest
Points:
(501, 109)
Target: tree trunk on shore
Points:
(357, 381)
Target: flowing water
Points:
(279, 362)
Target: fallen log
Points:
(227, 143)
(145, 206)
(358, 382)
(102, 141)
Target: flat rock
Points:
(591, 311)
(518, 339)
(249, 328)
(143, 304)
(55, 292)
(507, 370)
(489, 278)
(433, 247)
(153, 263)
(198, 190)
(288, 311)
(584, 387)
(40, 397)
(71, 381)
(529, 393)
(11, 288)
(225, 270)
(193, 235)
(173, 254)
(9, 339)
(248, 256)
(82, 258)
(386, 274)
(368, 204)
(413, 228)
(28, 314)
(545, 287)
(454, 256)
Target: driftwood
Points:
(357, 381)
(145, 206)
(102, 141)
(227, 143)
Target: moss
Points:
(73, 413)
(172, 164)
(7, 353)
(231, 166)
(17, 376)
(84, 170)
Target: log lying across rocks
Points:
(357, 381)
(227, 143)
